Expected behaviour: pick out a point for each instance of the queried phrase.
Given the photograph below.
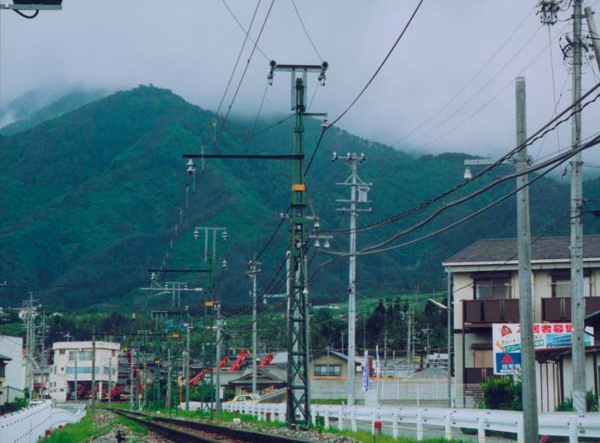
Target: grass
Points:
(227, 417)
(76, 432)
(362, 436)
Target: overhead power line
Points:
(353, 102)
(243, 76)
(471, 79)
(553, 163)
(306, 31)
(551, 125)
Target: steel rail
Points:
(240, 435)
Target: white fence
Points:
(430, 422)
(32, 423)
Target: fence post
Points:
(326, 418)
(419, 425)
(353, 419)
(395, 425)
(520, 430)
(481, 427)
(573, 429)
(448, 425)
(341, 418)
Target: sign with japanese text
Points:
(507, 342)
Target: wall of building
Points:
(62, 372)
(12, 347)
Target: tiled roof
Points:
(542, 248)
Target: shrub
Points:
(502, 393)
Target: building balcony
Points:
(559, 309)
(485, 312)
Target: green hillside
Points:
(91, 200)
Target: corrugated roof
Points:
(542, 248)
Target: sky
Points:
(447, 87)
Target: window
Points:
(61, 352)
(85, 355)
(320, 370)
(72, 355)
(561, 286)
(491, 286)
(328, 370)
(2, 370)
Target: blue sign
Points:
(508, 363)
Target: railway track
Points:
(178, 430)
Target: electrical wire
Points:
(380, 67)
(468, 82)
(554, 163)
(551, 125)
(29, 17)
(258, 113)
(237, 61)
(225, 119)
(306, 31)
(268, 128)
(247, 33)
(353, 102)
(478, 110)
(270, 240)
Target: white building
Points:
(486, 292)
(72, 369)
(14, 375)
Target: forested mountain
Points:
(95, 197)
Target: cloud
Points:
(458, 53)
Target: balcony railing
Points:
(559, 309)
(491, 311)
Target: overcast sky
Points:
(448, 86)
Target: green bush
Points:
(502, 393)
(591, 403)
(15, 405)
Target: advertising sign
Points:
(507, 342)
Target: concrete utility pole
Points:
(577, 280)
(169, 400)
(131, 378)
(186, 368)
(358, 194)
(298, 377)
(252, 273)
(219, 351)
(529, 390)
(449, 332)
(29, 310)
(94, 371)
(109, 382)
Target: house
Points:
(3, 362)
(266, 381)
(14, 371)
(72, 370)
(486, 293)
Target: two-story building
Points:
(14, 370)
(486, 292)
(72, 370)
